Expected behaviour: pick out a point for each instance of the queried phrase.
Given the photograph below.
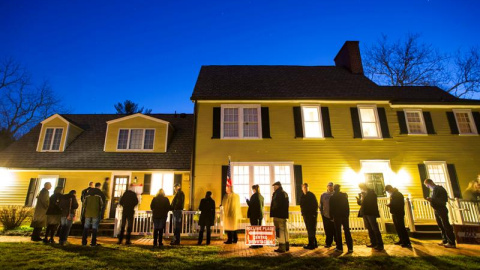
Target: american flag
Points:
(229, 176)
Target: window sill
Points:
(469, 134)
(418, 134)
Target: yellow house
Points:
(150, 151)
(316, 124)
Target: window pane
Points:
(282, 174)
(415, 124)
(369, 130)
(136, 136)
(250, 122)
(230, 122)
(312, 129)
(149, 136)
(311, 122)
(57, 139)
(122, 139)
(310, 114)
(48, 139)
(436, 172)
(266, 191)
(367, 115)
(261, 174)
(464, 125)
(156, 183)
(168, 184)
(241, 182)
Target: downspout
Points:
(192, 169)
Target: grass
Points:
(20, 231)
(30, 255)
(359, 238)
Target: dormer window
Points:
(136, 139)
(53, 138)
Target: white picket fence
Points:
(417, 211)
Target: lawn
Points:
(39, 256)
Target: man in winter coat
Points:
(40, 215)
(279, 213)
(340, 212)
(207, 217)
(178, 203)
(68, 205)
(328, 225)
(309, 208)
(160, 206)
(231, 214)
(397, 209)
(369, 212)
(96, 191)
(128, 201)
(255, 209)
(92, 208)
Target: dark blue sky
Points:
(97, 53)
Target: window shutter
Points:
(327, 129)
(297, 172)
(422, 169)
(32, 187)
(382, 116)
(429, 123)
(452, 122)
(61, 183)
(452, 173)
(224, 181)
(177, 179)
(357, 133)
(402, 122)
(265, 123)
(216, 123)
(476, 119)
(297, 118)
(147, 183)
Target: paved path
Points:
(420, 248)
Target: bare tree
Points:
(130, 107)
(408, 62)
(23, 104)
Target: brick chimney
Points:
(349, 57)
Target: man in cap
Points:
(178, 203)
(279, 213)
(328, 225)
(309, 208)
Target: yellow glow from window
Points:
(402, 179)
(162, 180)
(350, 176)
(6, 178)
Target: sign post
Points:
(260, 235)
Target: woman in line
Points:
(160, 206)
(54, 214)
(207, 216)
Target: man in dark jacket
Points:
(279, 213)
(438, 201)
(128, 201)
(160, 206)
(82, 199)
(255, 208)
(309, 208)
(177, 208)
(328, 225)
(340, 212)
(207, 217)
(97, 191)
(397, 209)
(68, 204)
(369, 212)
(92, 207)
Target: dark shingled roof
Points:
(86, 151)
(303, 82)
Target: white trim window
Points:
(438, 172)
(415, 122)
(312, 121)
(465, 122)
(52, 139)
(369, 122)
(42, 179)
(241, 121)
(162, 180)
(136, 139)
(245, 175)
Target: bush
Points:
(12, 216)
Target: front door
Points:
(120, 184)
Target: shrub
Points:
(12, 216)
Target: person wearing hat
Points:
(397, 209)
(279, 213)
(328, 225)
(231, 214)
(178, 203)
(309, 208)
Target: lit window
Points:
(162, 180)
(437, 171)
(53, 179)
(415, 122)
(246, 175)
(369, 121)
(465, 122)
(241, 121)
(136, 139)
(52, 140)
(312, 125)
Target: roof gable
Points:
(137, 115)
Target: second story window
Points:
(312, 122)
(241, 121)
(136, 139)
(415, 122)
(52, 140)
(465, 122)
(369, 122)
